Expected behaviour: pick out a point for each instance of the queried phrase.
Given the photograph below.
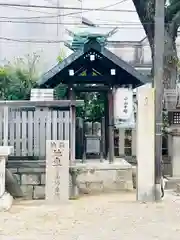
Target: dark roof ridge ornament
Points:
(82, 38)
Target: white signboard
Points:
(123, 108)
(42, 94)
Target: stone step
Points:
(172, 183)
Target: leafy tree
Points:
(146, 12)
(17, 78)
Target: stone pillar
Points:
(175, 154)
(57, 171)
(145, 145)
(5, 198)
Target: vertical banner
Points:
(124, 108)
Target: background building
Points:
(25, 31)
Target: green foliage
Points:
(60, 91)
(17, 79)
(93, 108)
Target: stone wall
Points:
(31, 176)
(92, 178)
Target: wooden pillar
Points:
(106, 131)
(103, 138)
(6, 125)
(72, 142)
(133, 142)
(111, 125)
(121, 142)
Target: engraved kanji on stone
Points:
(56, 161)
(57, 190)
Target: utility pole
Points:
(158, 86)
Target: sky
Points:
(11, 27)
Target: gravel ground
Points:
(111, 217)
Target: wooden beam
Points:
(91, 79)
(91, 88)
(53, 103)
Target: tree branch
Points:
(146, 13)
(172, 10)
(174, 25)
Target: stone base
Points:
(6, 202)
(172, 183)
(96, 177)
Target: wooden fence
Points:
(28, 129)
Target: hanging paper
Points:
(123, 108)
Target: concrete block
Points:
(13, 170)
(18, 177)
(6, 150)
(73, 189)
(43, 179)
(129, 185)
(27, 191)
(30, 179)
(31, 170)
(105, 178)
(6, 202)
(95, 187)
(39, 192)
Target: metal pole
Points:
(158, 86)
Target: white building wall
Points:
(49, 29)
(52, 30)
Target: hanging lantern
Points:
(123, 108)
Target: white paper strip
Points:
(123, 108)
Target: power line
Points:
(68, 14)
(60, 41)
(29, 10)
(118, 23)
(30, 41)
(65, 8)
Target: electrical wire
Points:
(68, 14)
(65, 8)
(71, 24)
(117, 24)
(29, 10)
(62, 41)
(30, 41)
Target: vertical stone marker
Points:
(145, 144)
(2, 175)
(57, 171)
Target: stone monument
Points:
(57, 171)
(172, 106)
(145, 144)
(5, 198)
